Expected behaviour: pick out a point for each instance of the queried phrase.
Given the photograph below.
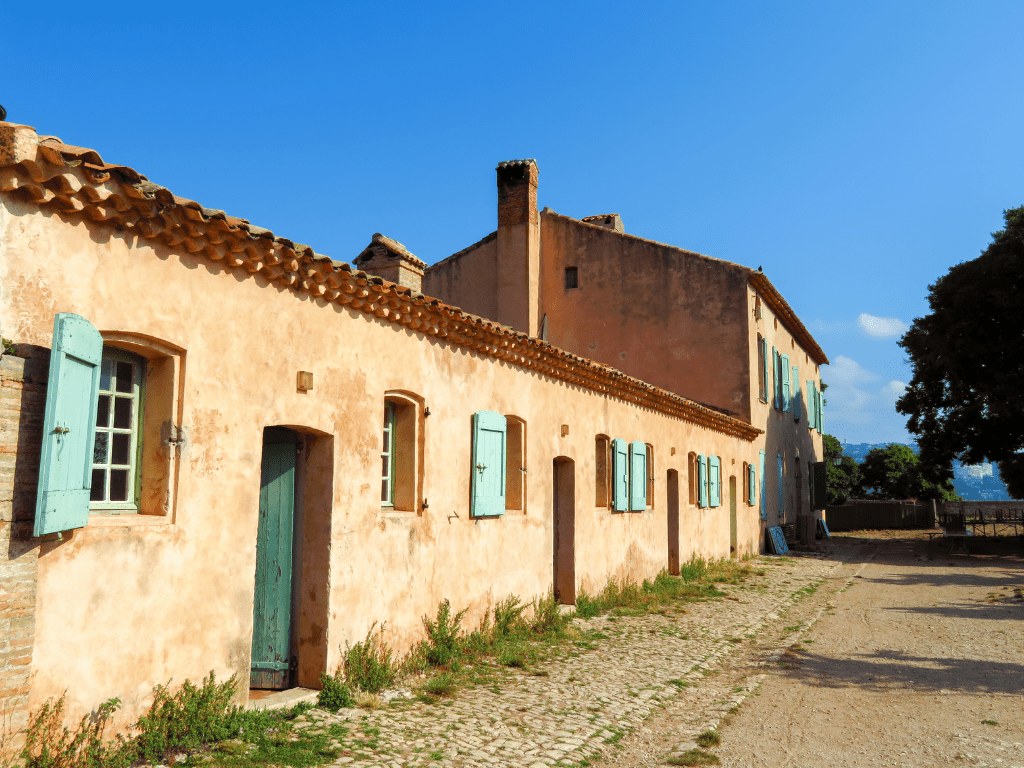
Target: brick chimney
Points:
(518, 246)
(391, 260)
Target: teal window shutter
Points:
(751, 484)
(797, 409)
(714, 481)
(65, 466)
(812, 404)
(702, 480)
(488, 471)
(821, 411)
(776, 383)
(637, 476)
(786, 394)
(781, 496)
(764, 367)
(620, 475)
(760, 469)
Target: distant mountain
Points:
(973, 482)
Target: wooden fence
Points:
(877, 515)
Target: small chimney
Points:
(391, 260)
(610, 221)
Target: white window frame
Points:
(130, 505)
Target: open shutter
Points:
(776, 383)
(702, 480)
(637, 476)
(786, 396)
(821, 411)
(751, 485)
(714, 481)
(797, 405)
(764, 367)
(782, 505)
(812, 404)
(488, 472)
(65, 467)
(620, 475)
(760, 469)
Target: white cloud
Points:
(860, 406)
(845, 371)
(893, 391)
(881, 327)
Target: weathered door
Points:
(673, 522)
(732, 516)
(564, 524)
(272, 605)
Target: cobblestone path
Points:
(579, 706)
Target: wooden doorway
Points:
(564, 525)
(733, 546)
(272, 600)
(672, 486)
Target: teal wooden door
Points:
(272, 604)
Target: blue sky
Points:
(854, 151)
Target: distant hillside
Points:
(977, 482)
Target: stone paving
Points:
(577, 707)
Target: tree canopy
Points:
(895, 472)
(966, 397)
(842, 478)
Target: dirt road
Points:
(914, 658)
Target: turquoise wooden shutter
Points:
(620, 475)
(714, 481)
(776, 383)
(812, 404)
(760, 469)
(637, 476)
(702, 480)
(751, 484)
(488, 469)
(781, 497)
(764, 367)
(797, 409)
(786, 398)
(65, 466)
(821, 412)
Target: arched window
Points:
(692, 478)
(402, 453)
(515, 464)
(602, 470)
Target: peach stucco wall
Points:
(668, 316)
(129, 602)
(468, 279)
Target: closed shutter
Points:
(620, 475)
(819, 485)
(782, 506)
(812, 404)
(715, 481)
(786, 397)
(488, 472)
(776, 383)
(797, 409)
(702, 480)
(760, 469)
(65, 466)
(637, 476)
(751, 485)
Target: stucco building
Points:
(222, 450)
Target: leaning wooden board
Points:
(777, 541)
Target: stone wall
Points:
(22, 400)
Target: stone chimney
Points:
(518, 246)
(391, 260)
(610, 221)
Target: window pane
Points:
(105, 374)
(387, 441)
(103, 411)
(119, 485)
(124, 376)
(123, 413)
(122, 443)
(386, 465)
(99, 485)
(384, 487)
(99, 453)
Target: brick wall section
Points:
(22, 400)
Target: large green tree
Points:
(843, 477)
(966, 398)
(895, 472)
